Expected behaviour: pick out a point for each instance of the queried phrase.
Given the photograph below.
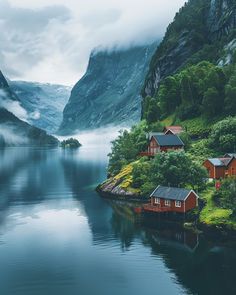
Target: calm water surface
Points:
(57, 236)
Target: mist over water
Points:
(100, 136)
(98, 141)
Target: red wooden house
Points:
(221, 167)
(163, 143)
(173, 130)
(172, 199)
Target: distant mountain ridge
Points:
(14, 131)
(44, 102)
(109, 92)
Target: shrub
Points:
(223, 135)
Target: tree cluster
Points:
(202, 89)
(223, 135)
(225, 197)
(169, 169)
(126, 147)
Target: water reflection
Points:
(198, 264)
(56, 234)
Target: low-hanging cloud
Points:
(9, 136)
(15, 107)
(12, 106)
(52, 43)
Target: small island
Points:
(71, 143)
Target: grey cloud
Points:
(22, 39)
(53, 43)
(12, 106)
(31, 20)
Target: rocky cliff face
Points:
(221, 18)
(5, 90)
(109, 92)
(199, 25)
(43, 102)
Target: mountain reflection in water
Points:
(57, 236)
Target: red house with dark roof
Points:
(173, 130)
(221, 167)
(163, 143)
(172, 199)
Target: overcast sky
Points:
(52, 42)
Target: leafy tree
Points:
(184, 136)
(126, 147)
(225, 197)
(170, 169)
(169, 95)
(211, 102)
(223, 135)
(153, 111)
(141, 173)
(197, 89)
(230, 93)
(176, 169)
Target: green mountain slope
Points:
(201, 30)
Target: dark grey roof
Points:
(216, 162)
(151, 134)
(171, 193)
(168, 140)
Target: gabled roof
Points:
(230, 155)
(220, 162)
(216, 162)
(172, 193)
(225, 161)
(168, 140)
(151, 134)
(175, 129)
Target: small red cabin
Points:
(172, 199)
(163, 143)
(221, 167)
(173, 130)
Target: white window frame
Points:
(157, 201)
(178, 204)
(167, 203)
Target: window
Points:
(167, 203)
(157, 201)
(178, 204)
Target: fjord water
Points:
(57, 236)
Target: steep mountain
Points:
(109, 92)
(14, 131)
(43, 102)
(201, 30)
(5, 90)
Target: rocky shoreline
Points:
(111, 189)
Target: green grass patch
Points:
(214, 216)
(168, 121)
(197, 127)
